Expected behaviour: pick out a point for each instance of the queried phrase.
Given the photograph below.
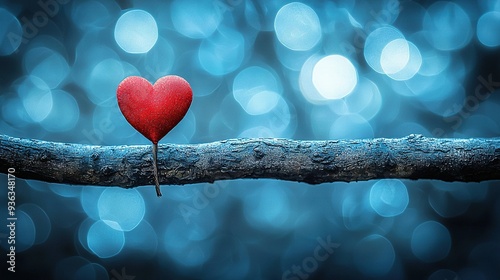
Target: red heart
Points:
(154, 109)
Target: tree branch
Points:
(314, 162)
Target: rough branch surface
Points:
(314, 162)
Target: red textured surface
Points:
(154, 109)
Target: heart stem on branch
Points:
(155, 168)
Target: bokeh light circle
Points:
(64, 115)
(375, 43)
(195, 19)
(36, 97)
(187, 244)
(104, 78)
(334, 76)
(430, 241)
(447, 26)
(488, 28)
(223, 52)
(121, 209)
(267, 208)
(389, 197)
(355, 209)
(412, 66)
(160, 60)
(26, 229)
(93, 14)
(374, 255)
(434, 62)
(262, 102)
(297, 27)
(40, 220)
(105, 241)
(256, 90)
(365, 100)
(143, 239)
(351, 126)
(449, 202)
(136, 31)
(11, 33)
(395, 56)
(46, 64)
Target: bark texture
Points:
(313, 162)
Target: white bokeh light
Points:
(412, 67)
(136, 31)
(395, 56)
(375, 43)
(334, 77)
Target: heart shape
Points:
(154, 109)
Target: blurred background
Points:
(302, 70)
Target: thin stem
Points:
(155, 168)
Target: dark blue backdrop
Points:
(302, 70)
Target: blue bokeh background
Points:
(302, 70)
